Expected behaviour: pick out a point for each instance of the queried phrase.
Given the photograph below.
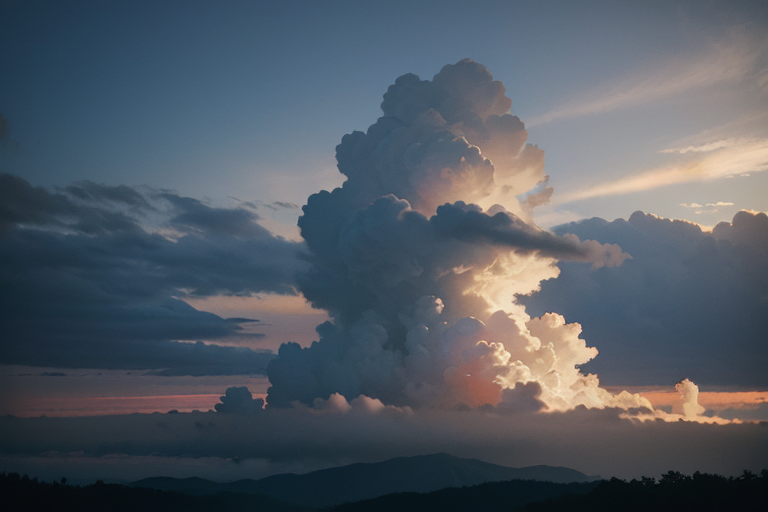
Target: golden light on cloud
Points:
(745, 405)
(714, 400)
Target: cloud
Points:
(419, 255)
(22, 203)
(467, 223)
(591, 441)
(98, 193)
(688, 303)
(708, 207)
(238, 400)
(702, 148)
(724, 62)
(286, 205)
(743, 156)
(95, 276)
(689, 403)
(191, 215)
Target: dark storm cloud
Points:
(92, 275)
(238, 400)
(193, 215)
(469, 223)
(689, 303)
(20, 202)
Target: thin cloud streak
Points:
(740, 157)
(701, 148)
(724, 63)
(708, 207)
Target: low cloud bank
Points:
(589, 440)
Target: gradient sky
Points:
(205, 126)
(247, 99)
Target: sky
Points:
(538, 218)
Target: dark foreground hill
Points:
(674, 492)
(22, 494)
(357, 482)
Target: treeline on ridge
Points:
(21, 494)
(674, 491)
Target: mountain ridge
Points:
(361, 481)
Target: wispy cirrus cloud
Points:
(723, 63)
(700, 148)
(719, 159)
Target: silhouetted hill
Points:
(22, 494)
(672, 493)
(355, 482)
(488, 497)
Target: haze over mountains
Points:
(334, 486)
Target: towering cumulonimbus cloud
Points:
(420, 255)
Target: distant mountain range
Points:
(355, 482)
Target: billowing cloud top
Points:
(418, 258)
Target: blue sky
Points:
(248, 99)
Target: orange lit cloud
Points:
(712, 400)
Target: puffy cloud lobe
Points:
(362, 405)
(689, 399)
(239, 400)
(420, 284)
(688, 302)
(444, 140)
(89, 274)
